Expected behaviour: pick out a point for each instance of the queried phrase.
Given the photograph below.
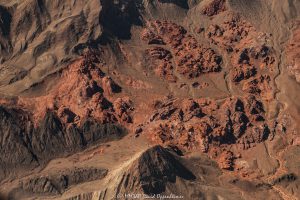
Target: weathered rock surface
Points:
(191, 58)
(24, 146)
(214, 7)
(196, 123)
(153, 170)
(39, 36)
(84, 91)
(59, 183)
(202, 78)
(226, 160)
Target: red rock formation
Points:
(191, 58)
(243, 72)
(203, 123)
(123, 107)
(109, 86)
(230, 32)
(151, 37)
(162, 64)
(226, 160)
(82, 92)
(214, 7)
(248, 61)
(259, 86)
(66, 115)
(250, 58)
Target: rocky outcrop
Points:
(109, 86)
(214, 7)
(191, 58)
(260, 86)
(230, 32)
(24, 146)
(245, 125)
(58, 183)
(252, 59)
(14, 151)
(243, 72)
(74, 73)
(285, 178)
(156, 171)
(153, 171)
(202, 123)
(83, 91)
(151, 38)
(161, 60)
(123, 107)
(249, 60)
(226, 160)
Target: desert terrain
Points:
(150, 99)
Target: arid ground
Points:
(132, 99)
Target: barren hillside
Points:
(188, 99)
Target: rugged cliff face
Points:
(98, 84)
